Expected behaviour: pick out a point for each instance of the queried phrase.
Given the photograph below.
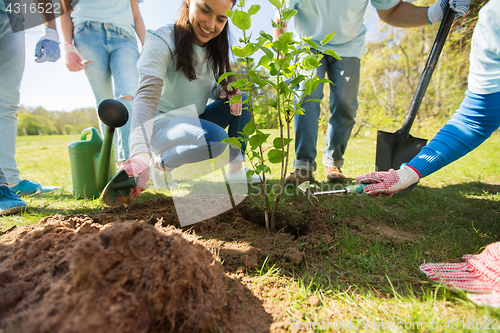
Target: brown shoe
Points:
(333, 174)
(299, 176)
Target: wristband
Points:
(69, 48)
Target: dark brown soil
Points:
(134, 269)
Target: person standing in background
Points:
(474, 121)
(99, 37)
(12, 58)
(317, 18)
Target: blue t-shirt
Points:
(318, 18)
(117, 12)
(484, 70)
(157, 59)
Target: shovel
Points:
(394, 149)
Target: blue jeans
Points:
(114, 53)
(12, 57)
(181, 140)
(343, 105)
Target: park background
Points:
(57, 101)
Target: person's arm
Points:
(73, 61)
(284, 26)
(407, 15)
(139, 26)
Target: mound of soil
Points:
(134, 269)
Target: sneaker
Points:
(299, 176)
(240, 177)
(27, 187)
(333, 174)
(10, 203)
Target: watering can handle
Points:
(94, 134)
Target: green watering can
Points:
(91, 164)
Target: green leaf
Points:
(299, 78)
(249, 129)
(254, 9)
(258, 139)
(264, 60)
(289, 13)
(262, 168)
(332, 53)
(233, 142)
(276, 3)
(268, 52)
(249, 49)
(260, 81)
(277, 142)
(229, 13)
(223, 76)
(267, 36)
(328, 38)
(275, 155)
(238, 51)
(242, 20)
(314, 100)
(311, 43)
(250, 173)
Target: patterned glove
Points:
(435, 13)
(47, 48)
(138, 169)
(389, 182)
(235, 107)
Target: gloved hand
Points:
(235, 107)
(389, 182)
(436, 13)
(139, 169)
(47, 48)
(73, 60)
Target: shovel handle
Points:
(355, 189)
(437, 47)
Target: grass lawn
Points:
(353, 277)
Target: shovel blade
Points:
(114, 194)
(392, 150)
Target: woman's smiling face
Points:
(207, 18)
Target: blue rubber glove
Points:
(47, 48)
(435, 13)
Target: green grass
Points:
(452, 212)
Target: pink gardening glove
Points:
(235, 107)
(389, 182)
(140, 171)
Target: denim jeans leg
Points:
(12, 55)
(182, 140)
(219, 112)
(306, 125)
(3, 179)
(113, 55)
(123, 61)
(345, 75)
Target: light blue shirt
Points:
(12, 8)
(157, 59)
(117, 12)
(318, 18)
(484, 70)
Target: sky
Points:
(53, 87)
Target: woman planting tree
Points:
(179, 68)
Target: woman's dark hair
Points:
(217, 48)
